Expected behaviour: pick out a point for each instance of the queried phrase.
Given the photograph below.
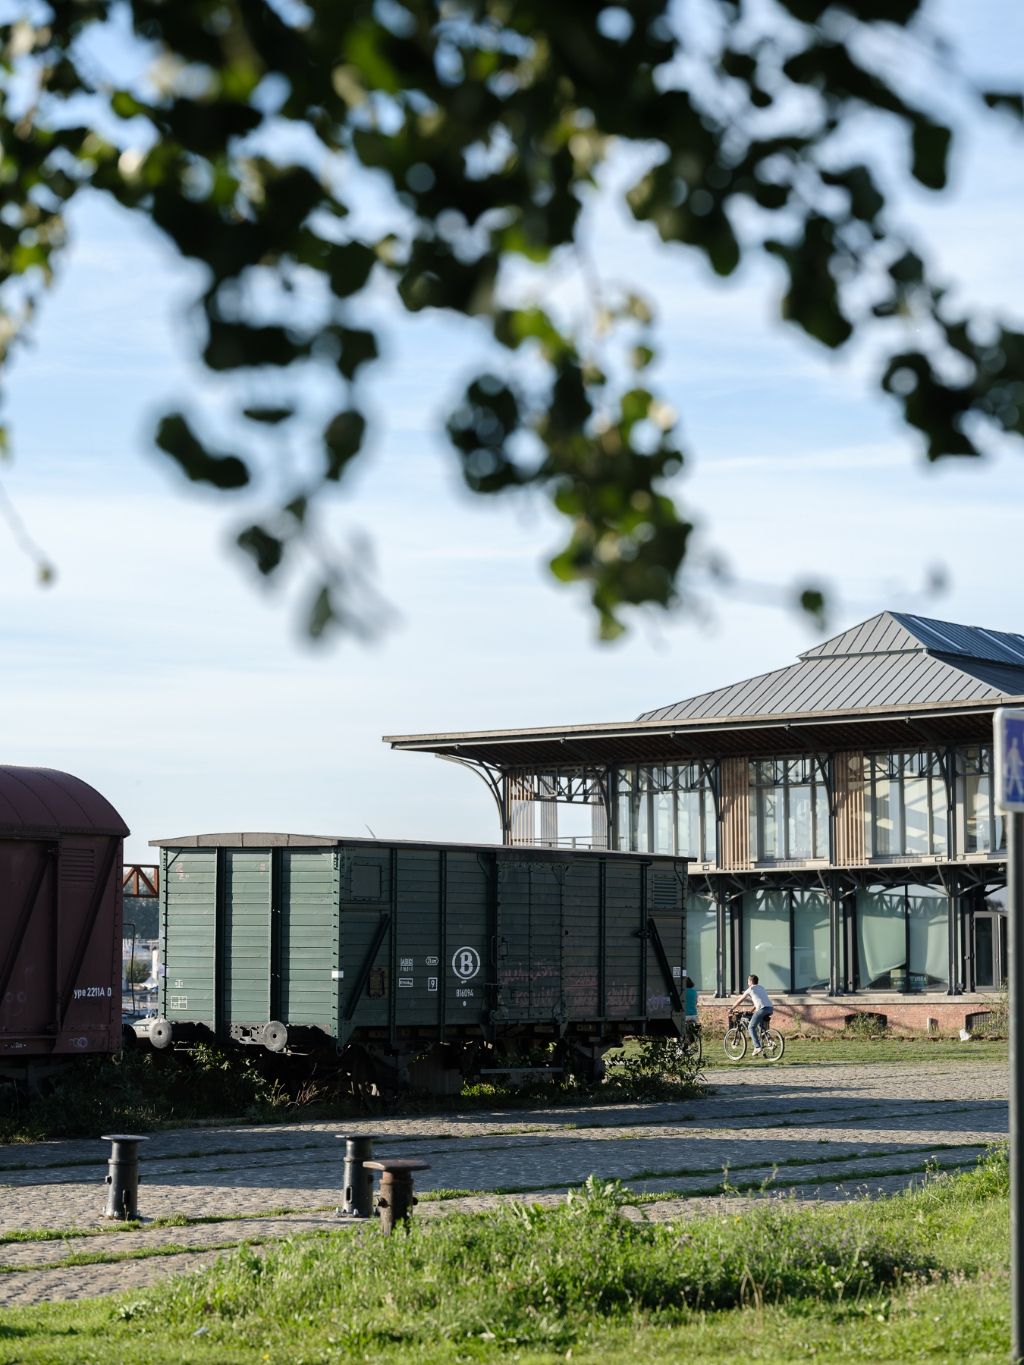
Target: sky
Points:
(162, 671)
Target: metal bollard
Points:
(395, 1202)
(357, 1195)
(123, 1178)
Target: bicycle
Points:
(691, 1041)
(773, 1045)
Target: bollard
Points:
(123, 1179)
(357, 1195)
(395, 1202)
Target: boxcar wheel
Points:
(275, 1036)
(160, 1033)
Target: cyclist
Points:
(763, 1010)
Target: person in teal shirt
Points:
(689, 999)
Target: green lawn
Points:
(840, 1051)
(921, 1276)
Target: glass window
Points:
(882, 938)
(624, 804)
(701, 942)
(984, 826)
(906, 805)
(765, 938)
(929, 938)
(788, 810)
(667, 809)
(810, 941)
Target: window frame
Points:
(901, 766)
(637, 789)
(787, 774)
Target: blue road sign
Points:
(1008, 727)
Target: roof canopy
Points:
(44, 802)
(894, 681)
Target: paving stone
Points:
(821, 1132)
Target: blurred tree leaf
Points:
(479, 129)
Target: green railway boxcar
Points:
(417, 963)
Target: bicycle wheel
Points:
(773, 1044)
(735, 1043)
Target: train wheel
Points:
(160, 1033)
(275, 1036)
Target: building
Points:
(839, 813)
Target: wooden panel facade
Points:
(849, 790)
(735, 803)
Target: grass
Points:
(842, 1051)
(919, 1276)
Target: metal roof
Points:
(893, 681)
(893, 659)
(38, 802)
(899, 631)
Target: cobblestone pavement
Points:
(820, 1131)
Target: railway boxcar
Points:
(60, 919)
(417, 962)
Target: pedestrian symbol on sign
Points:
(1014, 772)
(1009, 765)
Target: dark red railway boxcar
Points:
(60, 917)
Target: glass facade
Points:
(764, 938)
(905, 804)
(902, 939)
(701, 942)
(918, 804)
(810, 940)
(984, 829)
(668, 808)
(788, 810)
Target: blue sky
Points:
(157, 669)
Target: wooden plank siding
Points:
(849, 831)
(735, 803)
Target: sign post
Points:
(1009, 791)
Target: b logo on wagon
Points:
(466, 963)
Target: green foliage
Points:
(996, 1020)
(919, 1276)
(140, 1090)
(487, 127)
(529, 1277)
(865, 1025)
(653, 1069)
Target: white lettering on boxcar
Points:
(405, 981)
(431, 983)
(179, 1002)
(466, 963)
(430, 961)
(405, 964)
(92, 992)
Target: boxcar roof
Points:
(44, 801)
(265, 840)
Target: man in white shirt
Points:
(763, 1008)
